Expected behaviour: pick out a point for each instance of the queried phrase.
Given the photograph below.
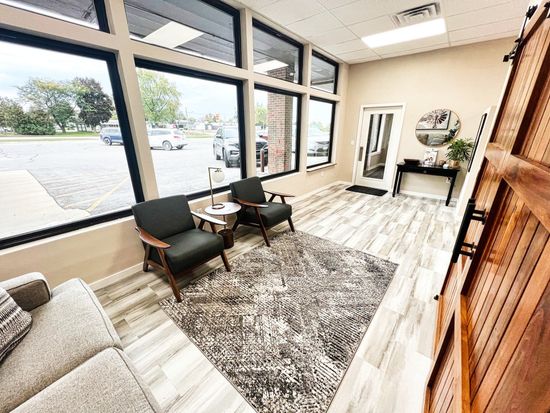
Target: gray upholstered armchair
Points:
(171, 239)
(256, 210)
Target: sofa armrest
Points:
(29, 290)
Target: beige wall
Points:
(466, 79)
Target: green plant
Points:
(460, 150)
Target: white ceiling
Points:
(336, 26)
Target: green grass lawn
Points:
(53, 137)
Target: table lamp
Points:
(216, 176)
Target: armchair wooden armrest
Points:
(249, 204)
(207, 218)
(151, 240)
(280, 194)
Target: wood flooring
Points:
(389, 371)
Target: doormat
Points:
(366, 190)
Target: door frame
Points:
(391, 151)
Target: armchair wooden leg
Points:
(291, 224)
(174, 286)
(235, 225)
(264, 233)
(145, 258)
(225, 262)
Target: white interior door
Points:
(378, 141)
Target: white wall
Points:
(466, 79)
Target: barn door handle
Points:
(471, 214)
(360, 154)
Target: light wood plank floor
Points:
(388, 372)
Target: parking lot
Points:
(91, 177)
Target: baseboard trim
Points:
(426, 195)
(111, 279)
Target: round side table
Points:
(228, 209)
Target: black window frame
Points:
(296, 168)
(235, 14)
(124, 124)
(331, 140)
(141, 63)
(101, 14)
(336, 71)
(270, 30)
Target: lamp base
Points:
(218, 206)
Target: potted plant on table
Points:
(460, 150)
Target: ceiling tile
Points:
(412, 45)
(365, 60)
(331, 37)
(289, 11)
(332, 4)
(415, 50)
(453, 7)
(315, 24)
(378, 25)
(486, 30)
(483, 16)
(358, 54)
(363, 10)
(345, 47)
(257, 4)
(512, 35)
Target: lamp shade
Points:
(218, 175)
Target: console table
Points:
(427, 170)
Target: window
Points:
(60, 169)
(320, 132)
(277, 126)
(193, 123)
(324, 73)
(192, 26)
(276, 55)
(85, 12)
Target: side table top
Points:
(228, 208)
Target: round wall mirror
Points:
(438, 127)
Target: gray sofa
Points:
(71, 359)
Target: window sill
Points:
(316, 168)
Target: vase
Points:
(454, 164)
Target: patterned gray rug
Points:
(284, 325)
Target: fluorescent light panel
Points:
(172, 35)
(406, 34)
(268, 66)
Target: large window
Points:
(276, 55)
(191, 26)
(55, 169)
(277, 126)
(324, 73)
(193, 123)
(320, 132)
(76, 11)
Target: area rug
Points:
(284, 325)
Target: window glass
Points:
(57, 163)
(319, 140)
(276, 132)
(275, 55)
(191, 26)
(192, 116)
(323, 73)
(76, 11)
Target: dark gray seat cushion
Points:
(164, 217)
(274, 214)
(190, 248)
(249, 189)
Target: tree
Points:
(94, 104)
(35, 122)
(55, 98)
(10, 113)
(160, 97)
(261, 115)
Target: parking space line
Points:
(106, 195)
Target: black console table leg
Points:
(399, 181)
(395, 183)
(450, 191)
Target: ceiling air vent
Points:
(417, 14)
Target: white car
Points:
(166, 139)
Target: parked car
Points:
(110, 135)
(226, 146)
(166, 139)
(318, 142)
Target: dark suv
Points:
(226, 146)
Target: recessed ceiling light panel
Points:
(172, 35)
(406, 34)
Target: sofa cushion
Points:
(105, 383)
(274, 214)
(14, 323)
(68, 330)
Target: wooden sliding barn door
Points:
(492, 344)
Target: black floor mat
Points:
(366, 190)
